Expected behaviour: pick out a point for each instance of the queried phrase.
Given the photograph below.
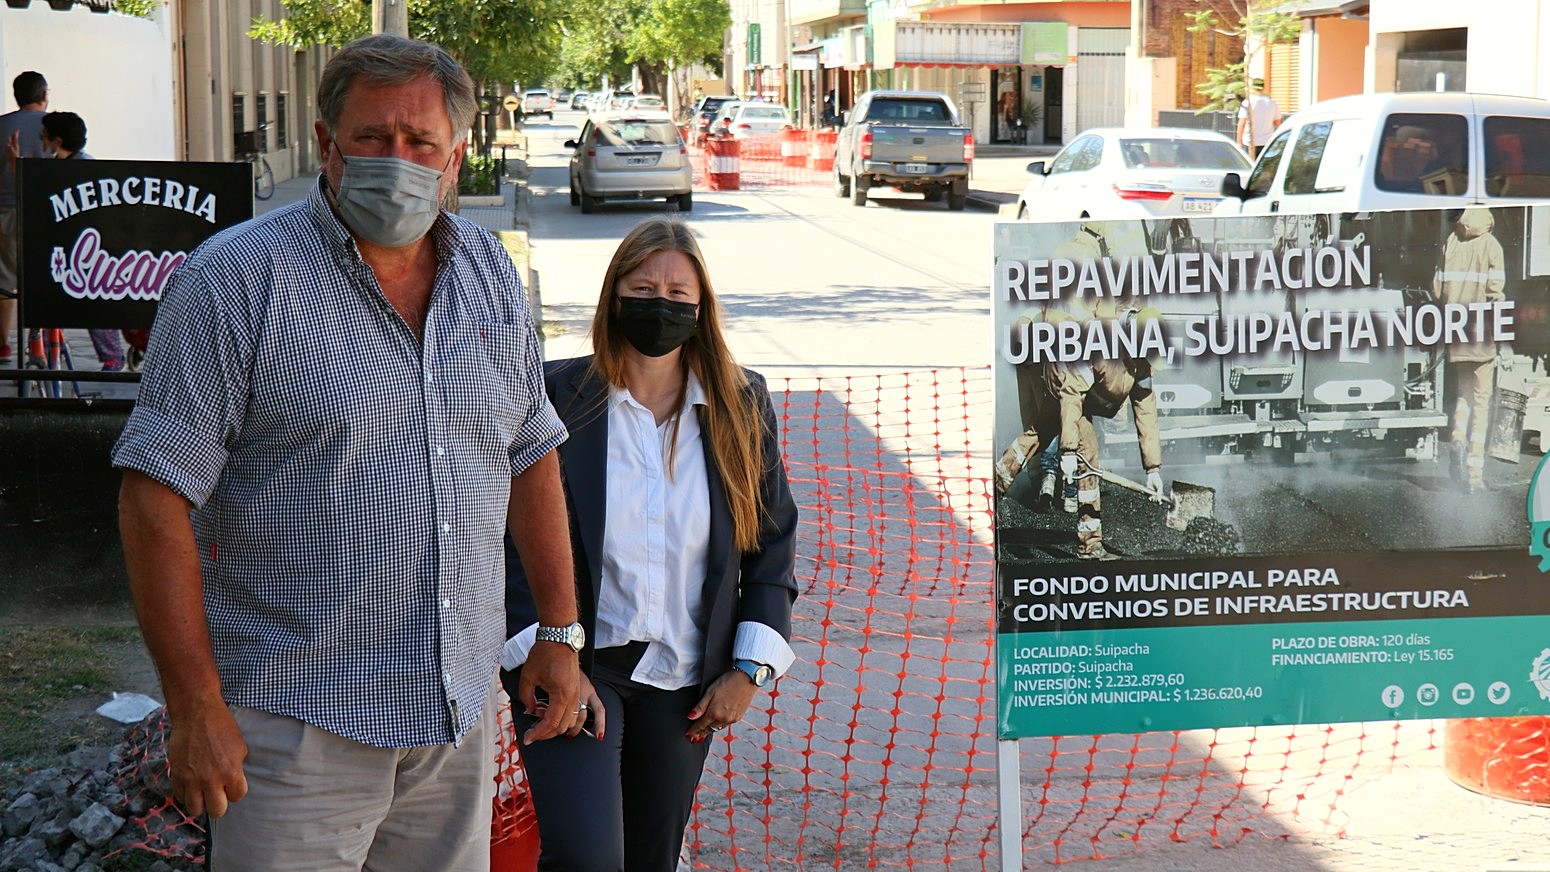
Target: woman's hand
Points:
(724, 703)
(591, 708)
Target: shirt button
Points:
(446, 603)
(447, 677)
(446, 528)
(429, 379)
(440, 451)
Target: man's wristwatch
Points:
(572, 635)
(759, 673)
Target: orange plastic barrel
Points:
(793, 152)
(721, 163)
(1508, 758)
(820, 155)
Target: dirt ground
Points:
(72, 721)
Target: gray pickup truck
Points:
(910, 140)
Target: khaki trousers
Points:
(317, 802)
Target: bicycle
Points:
(48, 350)
(250, 147)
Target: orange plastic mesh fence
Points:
(877, 749)
(801, 157)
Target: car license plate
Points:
(1199, 204)
(640, 160)
(914, 167)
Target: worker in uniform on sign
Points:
(1059, 400)
(1472, 271)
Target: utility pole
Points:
(390, 16)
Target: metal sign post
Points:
(969, 94)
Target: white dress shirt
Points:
(655, 538)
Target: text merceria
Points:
(133, 191)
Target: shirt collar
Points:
(694, 393)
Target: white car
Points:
(758, 122)
(646, 103)
(1400, 151)
(538, 102)
(1131, 173)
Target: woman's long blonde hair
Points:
(732, 421)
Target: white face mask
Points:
(388, 201)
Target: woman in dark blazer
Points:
(684, 532)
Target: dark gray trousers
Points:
(619, 804)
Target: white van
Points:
(1400, 151)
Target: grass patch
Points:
(516, 245)
(41, 669)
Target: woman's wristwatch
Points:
(759, 673)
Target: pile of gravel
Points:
(101, 811)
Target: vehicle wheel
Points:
(956, 200)
(588, 204)
(575, 198)
(686, 201)
(858, 188)
(841, 184)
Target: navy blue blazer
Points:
(758, 585)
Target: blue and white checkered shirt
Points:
(350, 482)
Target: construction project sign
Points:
(1271, 470)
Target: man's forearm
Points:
(164, 580)
(537, 520)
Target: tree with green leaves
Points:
(656, 36)
(497, 41)
(1257, 24)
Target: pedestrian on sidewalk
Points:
(1258, 118)
(64, 137)
(685, 530)
(313, 530)
(18, 134)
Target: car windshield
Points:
(629, 133)
(1195, 154)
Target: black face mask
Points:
(656, 325)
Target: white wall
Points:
(113, 70)
(1505, 46)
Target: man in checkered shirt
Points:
(342, 413)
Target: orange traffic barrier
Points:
(1508, 758)
(792, 153)
(721, 159)
(820, 155)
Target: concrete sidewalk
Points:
(1000, 173)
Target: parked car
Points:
(537, 101)
(1131, 173)
(578, 99)
(704, 111)
(615, 99)
(1400, 151)
(757, 122)
(910, 140)
(629, 156)
(646, 103)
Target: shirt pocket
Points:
(492, 385)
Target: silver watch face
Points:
(762, 675)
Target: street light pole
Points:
(390, 16)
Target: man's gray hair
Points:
(385, 59)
